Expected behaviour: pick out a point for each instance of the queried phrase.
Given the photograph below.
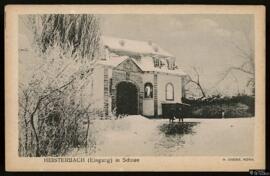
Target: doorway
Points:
(126, 98)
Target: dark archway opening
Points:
(126, 98)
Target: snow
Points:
(139, 136)
(133, 46)
(113, 61)
(145, 64)
(140, 48)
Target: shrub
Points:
(212, 107)
(51, 112)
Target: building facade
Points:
(135, 77)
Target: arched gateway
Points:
(126, 98)
(137, 78)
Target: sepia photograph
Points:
(101, 86)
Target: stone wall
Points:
(135, 78)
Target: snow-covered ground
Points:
(139, 136)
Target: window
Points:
(148, 90)
(169, 92)
(162, 63)
(171, 64)
(156, 62)
(159, 62)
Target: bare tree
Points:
(194, 78)
(246, 52)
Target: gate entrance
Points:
(126, 98)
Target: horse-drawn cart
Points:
(174, 111)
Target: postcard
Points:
(134, 87)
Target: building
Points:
(135, 77)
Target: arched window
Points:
(169, 91)
(148, 90)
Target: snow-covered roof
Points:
(145, 64)
(113, 61)
(134, 46)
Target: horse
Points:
(174, 113)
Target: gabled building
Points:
(135, 77)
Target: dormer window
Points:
(156, 62)
(162, 62)
(171, 64)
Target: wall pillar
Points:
(155, 96)
(113, 95)
(183, 90)
(140, 101)
(106, 92)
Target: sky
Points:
(206, 42)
